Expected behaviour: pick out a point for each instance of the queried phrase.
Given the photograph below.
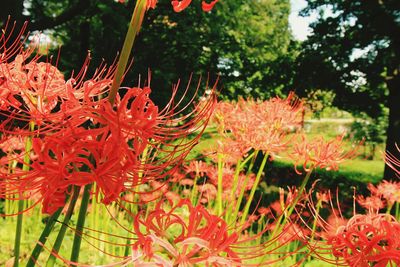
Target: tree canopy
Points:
(355, 51)
(245, 44)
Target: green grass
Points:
(371, 170)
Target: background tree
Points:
(246, 44)
(331, 57)
(372, 130)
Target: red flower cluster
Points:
(179, 6)
(388, 190)
(385, 194)
(392, 161)
(185, 235)
(207, 174)
(260, 125)
(366, 239)
(319, 153)
(363, 240)
(77, 137)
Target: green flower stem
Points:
(43, 238)
(229, 208)
(60, 237)
(195, 190)
(241, 194)
(287, 214)
(219, 186)
(253, 189)
(389, 208)
(80, 224)
(301, 189)
(314, 227)
(133, 30)
(239, 166)
(21, 202)
(18, 232)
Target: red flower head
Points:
(388, 190)
(180, 5)
(368, 239)
(183, 4)
(230, 150)
(363, 240)
(119, 147)
(392, 161)
(260, 125)
(319, 153)
(9, 47)
(372, 203)
(185, 235)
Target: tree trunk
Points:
(393, 131)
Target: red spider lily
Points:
(183, 4)
(9, 48)
(199, 168)
(86, 139)
(368, 239)
(180, 234)
(228, 179)
(388, 190)
(208, 6)
(363, 240)
(36, 92)
(392, 161)
(372, 203)
(40, 85)
(208, 192)
(12, 144)
(260, 125)
(187, 235)
(292, 232)
(319, 153)
(286, 200)
(323, 197)
(229, 150)
(263, 211)
(209, 173)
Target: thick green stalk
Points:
(241, 194)
(18, 232)
(133, 30)
(21, 204)
(279, 224)
(43, 238)
(60, 237)
(314, 227)
(229, 208)
(299, 194)
(239, 166)
(80, 224)
(253, 189)
(219, 187)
